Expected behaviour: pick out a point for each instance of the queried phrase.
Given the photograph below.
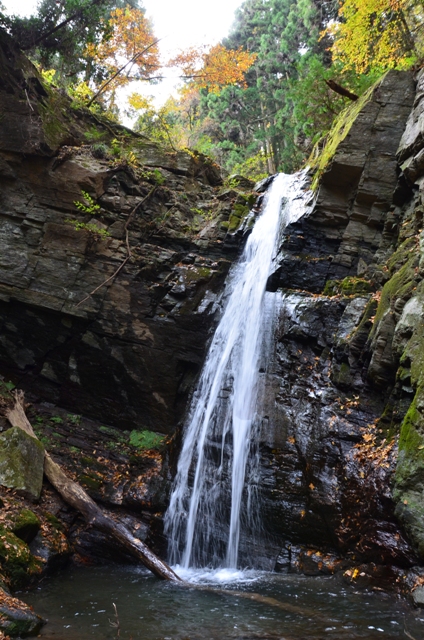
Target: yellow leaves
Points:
(139, 102)
(131, 39)
(216, 67)
(372, 34)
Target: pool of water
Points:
(79, 605)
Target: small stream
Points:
(78, 604)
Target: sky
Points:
(178, 22)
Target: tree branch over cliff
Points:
(334, 86)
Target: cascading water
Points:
(215, 488)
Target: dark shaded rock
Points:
(17, 618)
(345, 227)
(127, 353)
(52, 549)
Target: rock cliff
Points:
(114, 254)
(342, 428)
(72, 213)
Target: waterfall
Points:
(216, 485)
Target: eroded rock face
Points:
(85, 324)
(335, 396)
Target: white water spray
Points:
(214, 488)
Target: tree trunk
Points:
(75, 496)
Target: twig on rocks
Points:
(127, 242)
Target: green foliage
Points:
(145, 439)
(57, 34)
(89, 207)
(92, 228)
(93, 135)
(100, 150)
(253, 167)
(376, 34)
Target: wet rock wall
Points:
(341, 462)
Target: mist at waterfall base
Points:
(215, 500)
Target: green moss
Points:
(55, 522)
(410, 466)
(145, 439)
(241, 210)
(25, 525)
(17, 562)
(91, 481)
(19, 622)
(233, 223)
(341, 375)
(340, 129)
(349, 286)
(197, 273)
(410, 438)
(401, 255)
(400, 285)
(54, 125)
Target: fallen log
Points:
(76, 497)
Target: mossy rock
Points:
(399, 287)
(21, 462)
(17, 562)
(91, 481)
(25, 525)
(318, 162)
(341, 375)
(195, 274)
(409, 477)
(349, 286)
(16, 618)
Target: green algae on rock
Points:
(21, 462)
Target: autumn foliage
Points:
(131, 40)
(372, 34)
(215, 67)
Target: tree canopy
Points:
(259, 100)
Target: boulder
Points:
(21, 462)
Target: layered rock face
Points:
(346, 358)
(72, 214)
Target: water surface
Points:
(221, 604)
